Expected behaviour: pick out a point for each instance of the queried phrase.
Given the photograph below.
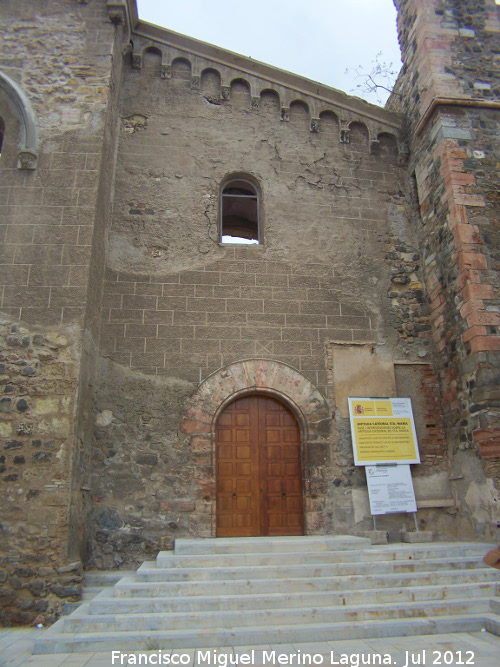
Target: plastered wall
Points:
(59, 74)
(338, 265)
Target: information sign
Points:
(390, 489)
(383, 431)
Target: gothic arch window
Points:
(239, 208)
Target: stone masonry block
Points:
(261, 333)
(466, 234)
(75, 255)
(240, 279)
(19, 234)
(471, 306)
(41, 254)
(232, 291)
(114, 287)
(272, 280)
(200, 277)
(172, 290)
(477, 291)
(125, 316)
(299, 334)
(67, 296)
(140, 330)
(208, 291)
(245, 305)
(220, 319)
(175, 331)
(139, 302)
(234, 349)
(227, 333)
(315, 321)
(473, 332)
(467, 277)
(277, 306)
(192, 318)
(26, 296)
(466, 199)
(14, 275)
(145, 360)
(177, 303)
(331, 308)
(417, 536)
(136, 345)
(485, 343)
(208, 305)
(150, 289)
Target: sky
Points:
(318, 39)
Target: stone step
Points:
(81, 621)
(129, 587)
(259, 545)
(148, 572)
(245, 596)
(168, 559)
(54, 640)
(105, 603)
(99, 579)
(95, 581)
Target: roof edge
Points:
(268, 72)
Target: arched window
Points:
(239, 212)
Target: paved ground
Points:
(476, 649)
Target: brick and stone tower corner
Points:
(449, 91)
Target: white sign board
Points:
(390, 489)
(383, 431)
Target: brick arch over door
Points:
(274, 379)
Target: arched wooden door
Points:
(258, 469)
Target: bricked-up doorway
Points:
(258, 469)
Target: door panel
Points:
(258, 470)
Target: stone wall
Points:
(338, 264)
(56, 85)
(127, 325)
(37, 379)
(451, 98)
(177, 302)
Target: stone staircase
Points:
(250, 591)
(95, 582)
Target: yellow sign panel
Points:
(364, 408)
(383, 408)
(383, 431)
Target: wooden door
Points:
(258, 470)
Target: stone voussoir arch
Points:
(27, 143)
(257, 376)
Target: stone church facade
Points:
(144, 352)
